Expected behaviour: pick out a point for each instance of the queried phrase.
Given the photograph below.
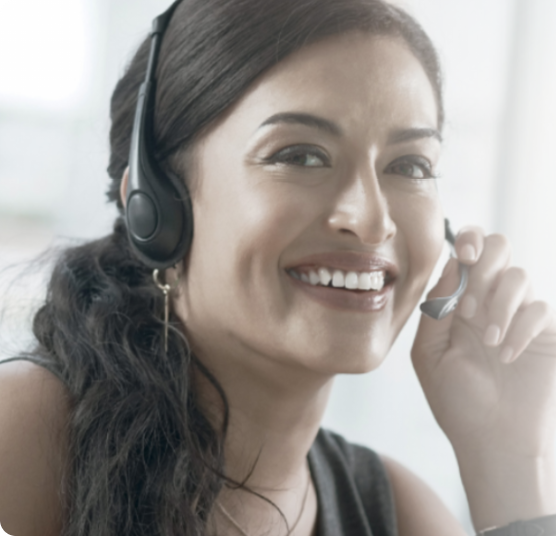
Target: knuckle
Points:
(482, 277)
(498, 308)
(482, 280)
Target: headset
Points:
(158, 212)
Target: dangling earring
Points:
(165, 288)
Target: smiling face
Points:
(323, 170)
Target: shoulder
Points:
(420, 512)
(34, 413)
(391, 488)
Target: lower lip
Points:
(336, 298)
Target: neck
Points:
(274, 415)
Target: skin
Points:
(34, 413)
(264, 338)
(497, 414)
(267, 339)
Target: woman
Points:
(307, 133)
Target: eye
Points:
(301, 156)
(412, 166)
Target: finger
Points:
(529, 297)
(513, 287)
(527, 325)
(469, 244)
(493, 261)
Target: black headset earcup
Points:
(160, 223)
(142, 216)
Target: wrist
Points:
(503, 488)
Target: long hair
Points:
(144, 460)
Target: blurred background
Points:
(60, 60)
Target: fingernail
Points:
(506, 354)
(492, 334)
(467, 253)
(468, 306)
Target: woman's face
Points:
(323, 169)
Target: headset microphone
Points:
(158, 210)
(439, 308)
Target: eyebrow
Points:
(304, 119)
(412, 134)
(313, 121)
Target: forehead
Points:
(356, 79)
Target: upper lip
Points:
(348, 261)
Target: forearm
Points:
(502, 488)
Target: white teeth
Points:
(325, 277)
(352, 280)
(314, 278)
(379, 281)
(338, 279)
(365, 281)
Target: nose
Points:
(361, 209)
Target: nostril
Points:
(347, 231)
(372, 225)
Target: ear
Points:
(123, 186)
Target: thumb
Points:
(433, 336)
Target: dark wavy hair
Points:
(144, 460)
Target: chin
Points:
(345, 358)
(361, 364)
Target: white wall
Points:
(60, 63)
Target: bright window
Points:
(44, 53)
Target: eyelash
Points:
(418, 161)
(281, 157)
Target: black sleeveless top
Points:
(353, 490)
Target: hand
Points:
(489, 370)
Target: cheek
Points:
(420, 227)
(246, 228)
(241, 230)
(425, 238)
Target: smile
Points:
(345, 280)
(328, 277)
